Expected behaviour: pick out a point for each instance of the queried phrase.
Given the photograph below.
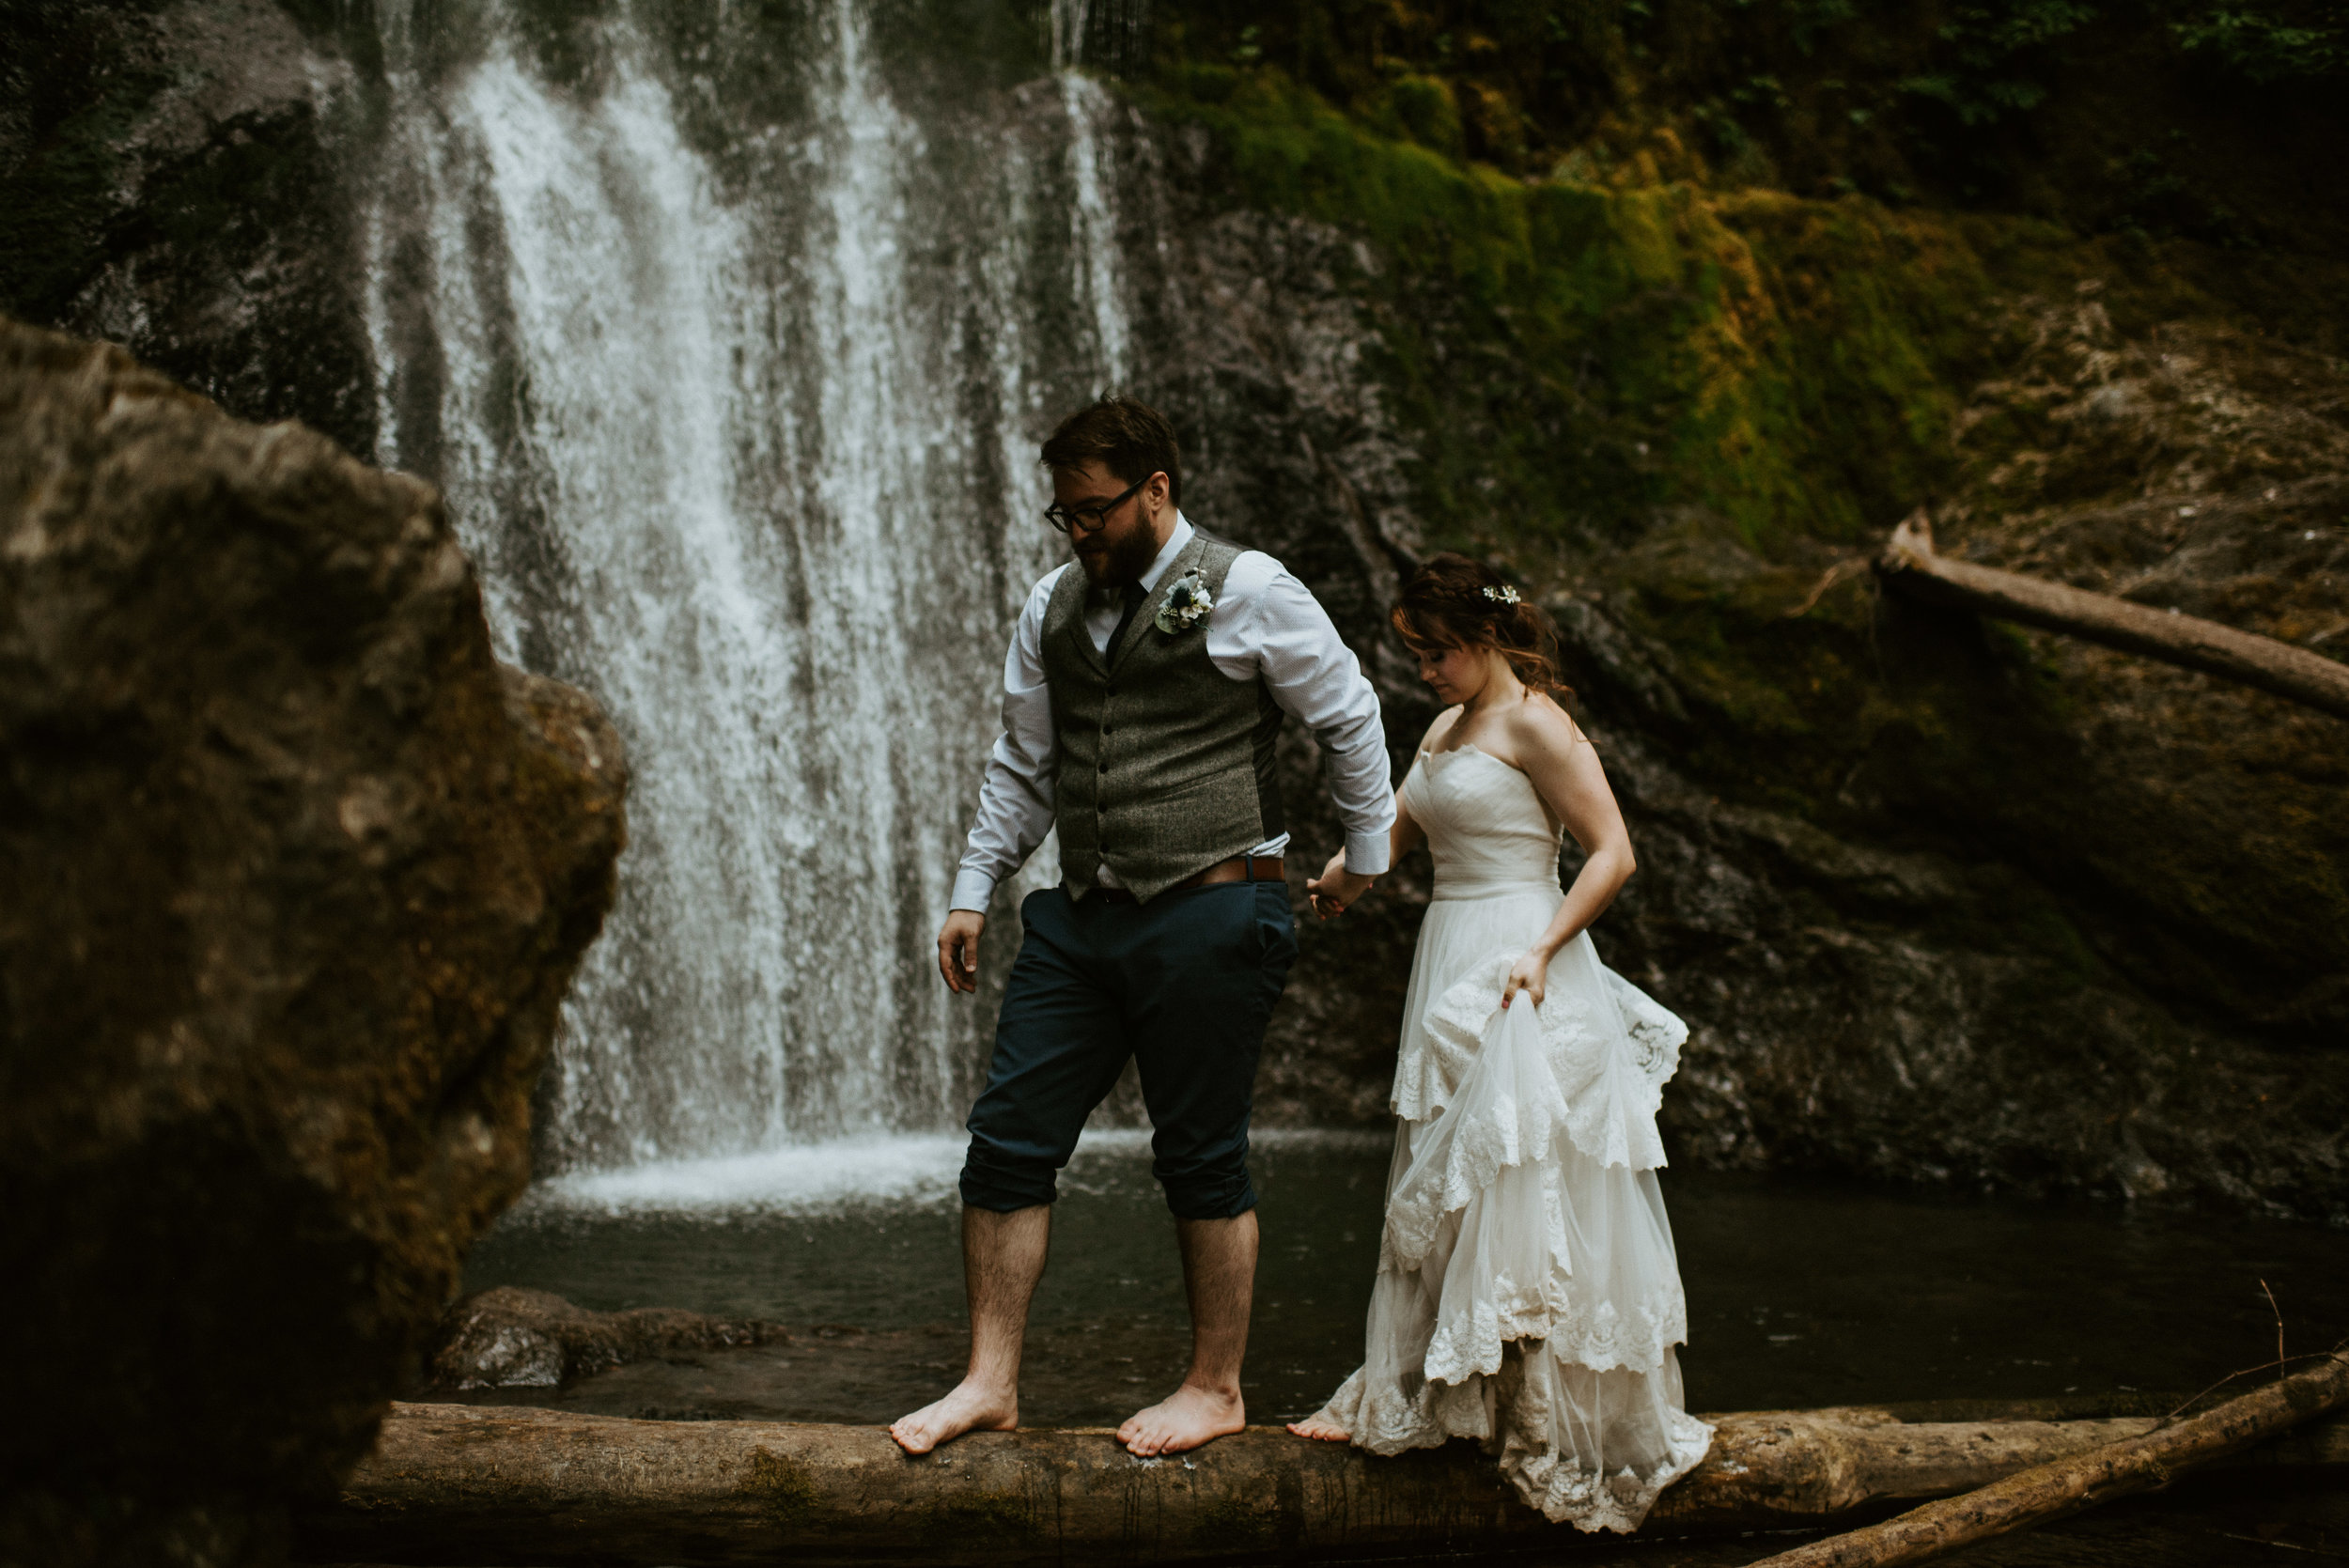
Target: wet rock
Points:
(296, 875)
(173, 177)
(512, 1338)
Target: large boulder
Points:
(293, 875)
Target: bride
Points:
(1528, 1295)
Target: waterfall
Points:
(732, 374)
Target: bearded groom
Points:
(1141, 697)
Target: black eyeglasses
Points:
(1091, 516)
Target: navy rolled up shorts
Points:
(1184, 985)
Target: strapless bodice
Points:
(1487, 827)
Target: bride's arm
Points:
(1564, 769)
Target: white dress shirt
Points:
(1264, 623)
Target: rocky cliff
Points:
(296, 875)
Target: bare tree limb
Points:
(2067, 1486)
(1908, 565)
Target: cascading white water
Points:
(738, 425)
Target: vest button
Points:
(1109, 692)
(1109, 729)
(1105, 768)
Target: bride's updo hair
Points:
(1452, 601)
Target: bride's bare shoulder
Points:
(1538, 727)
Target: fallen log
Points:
(1910, 566)
(2059, 1488)
(469, 1483)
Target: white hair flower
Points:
(1502, 595)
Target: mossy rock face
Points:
(1945, 901)
(298, 876)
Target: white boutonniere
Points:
(1186, 604)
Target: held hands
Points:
(1336, 888)
(959, 949)
(1529, 974)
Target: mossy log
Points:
(2061, 1487)
(463, 1483)
(1910, 566)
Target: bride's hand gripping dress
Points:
(1528, 1293)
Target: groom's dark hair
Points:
(1130, 439)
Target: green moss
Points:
(1421, 109)
(1575, 355)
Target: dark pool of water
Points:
(1800, 1293)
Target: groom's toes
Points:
(925, 1428)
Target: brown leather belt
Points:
(1239, 868)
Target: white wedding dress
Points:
(1528, 1293)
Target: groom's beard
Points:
(1113, 564)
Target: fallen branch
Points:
(1910, 566)
(463, 1483)
(2067, 1486)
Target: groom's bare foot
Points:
(1321, 1431)
(1186, 1419)
(972, 1407)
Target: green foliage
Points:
(1987, 73)
(2260, 42)
(2012, 105)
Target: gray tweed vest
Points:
(1165, 762)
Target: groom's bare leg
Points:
(1003, 1257)
(1219, 1276)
